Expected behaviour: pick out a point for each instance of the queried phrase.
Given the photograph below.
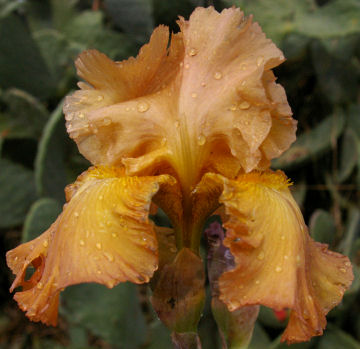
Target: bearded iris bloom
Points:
(190, 125)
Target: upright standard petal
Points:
(207, 100)
(277, 264)
(103, 235)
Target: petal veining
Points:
(277, 264)
(103, 235)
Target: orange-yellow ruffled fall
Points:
(190, 125)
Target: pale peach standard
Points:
(189, 125)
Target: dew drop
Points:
(95, 130)
(259, 61)
(98, 271)
(203, 84)
(45, 243)
(107, 121)
(142, 107)
(163, 141)
(40, 285)
(278, 269)
(257, 282)
(81, 115)
(244, 105)
(282, 237)
(261, 256)
(192, 52)
(98, 246)
(109, 256)
(173, 249)
(187, 66)
(194, 95)
(348, 264)
(177, 124)
(76, 214)
(243, 66)
(217, 75)
(127, 108)
(201, 140)
(286, 257)
(114, 235)
(100, 98)
(233, 107)
(100, 197)
(343, 270)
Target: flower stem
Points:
(186, 340)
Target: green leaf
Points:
(17, 193)
(21, 63)
(87, 31)
(41, 215)
(312, 143)
(50, 172)
(113, 315)
(336, 76)
(334, 19)
(55, 50)
(334, 338)
(25, 116)
(349, 154)
(132, 16)
(352, 233)
(322, 226)
(260, 339)
(159, 336)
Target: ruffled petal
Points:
(206, 101)
(277, 264)
(103, 235)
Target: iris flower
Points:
(189, 125)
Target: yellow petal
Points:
(103, 235)
(208, 100)
(277, 264)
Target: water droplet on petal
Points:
(40, 285)
(114, 235)
(82, 243)
(244, 105)
(127, 108)
(98, 246)
(163, 141)
(217, 75)
(109, 256)
(343, 270)
(107, 121)
(192, 52)
(203, 84)
(177, 124)
(233, 107)
(142, 107)
(100, 98)
(100, 197)
(282, 237)
(187, 66)
(194, 95)
(257, 282)
(81, 115)
(286, 257)
(259, 61)
(76, 214)
(98, 271)
(201, 140)
(45, 243)
(278, 269)
(261, 256)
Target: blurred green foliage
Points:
(39, 40)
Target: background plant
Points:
(39, 41)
